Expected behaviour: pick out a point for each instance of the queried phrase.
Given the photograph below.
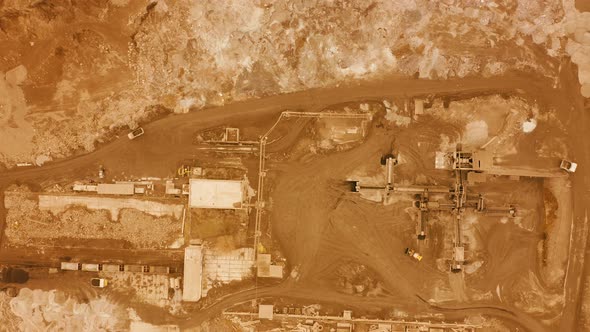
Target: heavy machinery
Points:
(189, 171)
(99, 282)
(422, 203)
(389, 161)
(412, 253)
(184, 171)
(568, 166)
(100, 172)
(136, 133)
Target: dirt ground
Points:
(76, 76)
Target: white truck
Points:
(568, 166)
(136, 133)
(99, 282)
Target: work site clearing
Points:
(294, 166)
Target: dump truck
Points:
(99, 282)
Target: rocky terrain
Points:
(75, 74)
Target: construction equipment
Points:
(136, 133)
(100, 172)
(99, 282)
(568, 166)
(412, 253)
(389, 161)
(422, 205)
(184, 171)
(189, 171)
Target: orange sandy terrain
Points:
(505, 77)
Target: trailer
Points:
(111, 268)
(159, 269)
(133, 268)
(69, 266)
(92, 267)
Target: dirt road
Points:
(316, 241)
(171, 139)
(578, 119)
(53, 256)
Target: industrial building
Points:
(115, 189)
(193, 272)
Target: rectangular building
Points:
(193, 273)
(116, 189)
(216, 194)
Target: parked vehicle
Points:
(100, 172)
(568, 166)
(99, 282)
(136, 133)
(422, 235)
(412, 253)
(456, 268)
